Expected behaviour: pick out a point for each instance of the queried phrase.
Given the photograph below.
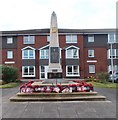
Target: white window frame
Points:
(72, 53)
(71, 40)
(48, 38)
(29, 39)
(89, 53)
(90, 38)
(112, 39)
(45, 72)
(23, 57)
(9, 40)
(33, 75)
(72, 75)
(115, 54)
(45, 55)
(115, 68)
(72, 50)
(28, 48)
(10, 54)
(91, 68)
(60, 52)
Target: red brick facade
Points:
(100, 59)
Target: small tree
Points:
(102, 77)
(9, 73)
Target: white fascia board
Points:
(72, 46)
(28, 47)
(43, 47)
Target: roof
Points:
(46, 31)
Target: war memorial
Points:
(55, 88)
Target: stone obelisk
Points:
(54, 70)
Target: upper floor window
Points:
(44, 53)
(72, 52)
(9, 40)
(9, 54)
(90, 53)
(113, 53)
(112, 38)
(71, 38)
(29, 39)
(28, 53)
(48, 38)
(90, 38)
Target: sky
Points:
(73, 14)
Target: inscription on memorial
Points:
(54, 54)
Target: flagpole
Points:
(112, 68)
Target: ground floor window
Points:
(43, 72)
(72, 70)
(115, 68)
(28, 71)
(91, 68)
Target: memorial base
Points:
(54, 75)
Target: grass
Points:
(10, 85)
(104, 85)
(95, 84)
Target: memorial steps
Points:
(74, 96)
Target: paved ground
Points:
(59, 109)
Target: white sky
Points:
(77, 14)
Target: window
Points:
(28, 71)
(116, 37)
(9, 40)
(111, 38)
(29, 39)
(72, 70)
(28, 54)
(71, 38)
(90, 38)
(43, 72)
(113, 53)
(91, 68)
(115, 68)
(48, 38)
(90, 53)
(9, 54)
(72, 53)
(44, 54)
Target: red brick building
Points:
(83, 52)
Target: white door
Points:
(43, 72)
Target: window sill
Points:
(72, 75)
(28, 43)
(72, 58)
(28, 58)
(71, 42)
(28, 75)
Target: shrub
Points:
(9, 73)
(102, 77)
(90, 79)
